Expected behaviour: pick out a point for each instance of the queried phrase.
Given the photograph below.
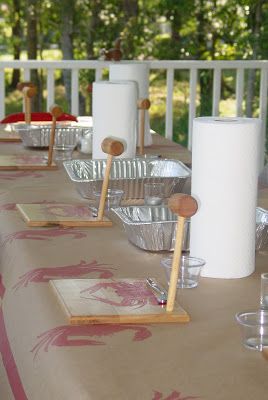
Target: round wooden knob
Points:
(55, 110)
(112, 146)
(29, 91)
(22, 85)
(143, 104)
(183, 204)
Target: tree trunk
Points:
(66, 40)
(255, 28)
(131, 10)
(32, 22)
(16, 35)
(92, 28)
(205, 79)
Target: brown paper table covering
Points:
(42, 357)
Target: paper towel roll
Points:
(138, 72)
(224, 181)
(114, 112)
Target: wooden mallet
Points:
(112, 147)
(56, 112)
(28, 93)
(24, 84)
(185, 206)
(142, 104)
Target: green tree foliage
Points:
(158, 29)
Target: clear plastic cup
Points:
(154, 193)
(264, 292)
(254, 329)
(189, 271)
(112, 200)
(66, 139)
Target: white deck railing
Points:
(169, 66)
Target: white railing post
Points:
(2, 93)
(26, 78)
(216, 91)
(192, 104)
(75, 93)
(50, 88)
(98, 74)
(26, 74)
(169, 105)
(263, 112)
(168, 65)
(239, 91)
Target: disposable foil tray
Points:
(39, 135)
(261, 228)
(152, 228)
(129, 175)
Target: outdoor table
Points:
(43, 357)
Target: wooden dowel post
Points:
(27, 105)
(55, 111)
(175, 265)
(185, 206)
(28, 93)
(143, 104)
(104, 187)
(112, 147)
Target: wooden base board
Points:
(265, 353)
(46, 214)
(9, 137)
(15, 162)
(112, 301)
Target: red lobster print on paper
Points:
(28, 159)
(68, 271)
(134, 294)
(173, 396)
(2, 288)
(8, 360)
(44, 234)
(67, 210)
(66, 335)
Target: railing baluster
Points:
(75, 92)
(263, 111)
(26, 78)
(98, 74)
(239, 91)
(2, 93)
(50, 88)
(169, 66)
(169, 105)
(216, 91)
(192, 105)
(26, 74)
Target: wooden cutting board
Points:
(46, 214)
(112, 301)
(24, 162)
(6, 136)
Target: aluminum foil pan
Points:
(261, 228)
(128, 175)
(39, 135)
(152, 228)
